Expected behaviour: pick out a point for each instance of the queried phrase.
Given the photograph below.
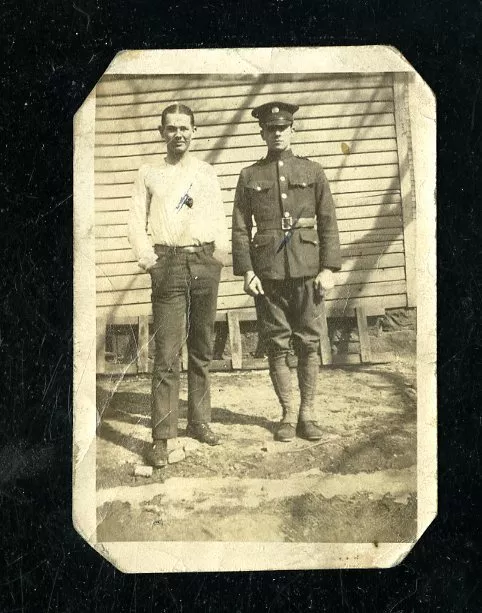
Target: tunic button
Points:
(258, 188)
(282, 178)
(284, 196)
(287, 213)
(280, 163)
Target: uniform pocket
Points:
(261, 195)
(309, 236)
(262, 252)
(309, 248)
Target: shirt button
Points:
(284, 196)
(280, 163)
(282, 178)
(258, 188)
(287, 213)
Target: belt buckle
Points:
(286, 223)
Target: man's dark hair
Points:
(181, 109)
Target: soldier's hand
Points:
(324, 281)
(252, 284)
(147, 262)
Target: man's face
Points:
(278, 138)
(177, 132)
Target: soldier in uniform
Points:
(178, 231)
(288, 265)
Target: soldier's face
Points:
(277, 138)
(177, 132)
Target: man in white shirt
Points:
(177, 229)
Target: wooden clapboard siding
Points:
(345, 122)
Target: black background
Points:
(53, 54)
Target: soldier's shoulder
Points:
(305, 161)
(254, 168)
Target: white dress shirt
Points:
(155, 208)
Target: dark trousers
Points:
(289, 316)
(184, 296)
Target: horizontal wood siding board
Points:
(200, 103)
(342, 200)
(117, 217)
(229, 181)
(378, 259)
(124, 283)
(360, 115)
(356, 290)
(374, 305)
(147, 142)
(167, 91)
(365, 153)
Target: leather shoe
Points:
(203, 433)
(285, 432)
(157, 455)
(309, 430)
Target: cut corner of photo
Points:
(255, 310)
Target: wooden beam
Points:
(402, 125)
(325, 346)
(365, 347)
(235, 340)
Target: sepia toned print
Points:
(319, 333)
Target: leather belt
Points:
(184, 248)
(287, 223)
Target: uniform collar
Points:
(275, 156)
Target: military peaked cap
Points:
(275, 113)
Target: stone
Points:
(140, 470)
(176, 455)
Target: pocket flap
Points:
(308, 235)
(301, 180)
(259, 186)
(262, 240)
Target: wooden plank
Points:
(374, 305)
(244, 135)
(365, 347)
(382, 137)
(124, 190)
(243, 300)
(100, 335)
(125, 283)
(402, 124)
(229, 181)
(325, 346)
(200, 101)
(121, 205)
(355, 212)
(143, 344)
(378, 260)
(210, 88)
(235, 341)
(331, 155)
(116, 85)
(361, 115)
(344, 225)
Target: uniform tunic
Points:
(291, 187)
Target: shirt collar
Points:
(274, 156)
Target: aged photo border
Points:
(216, 556)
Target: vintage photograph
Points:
(254, 245)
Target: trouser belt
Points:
(184, 248)
(287, 223)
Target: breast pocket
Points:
(261, 196)
(302, 190)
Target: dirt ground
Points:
(358, 484)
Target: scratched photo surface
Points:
(351, 153)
